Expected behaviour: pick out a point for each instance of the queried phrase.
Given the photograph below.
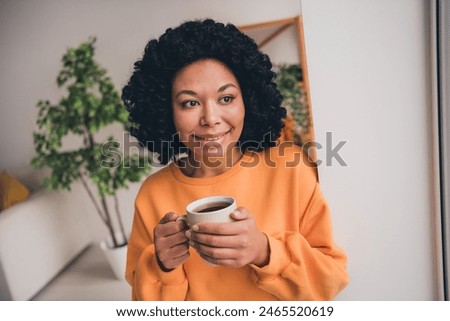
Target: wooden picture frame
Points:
(268, 31)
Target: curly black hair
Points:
(147, 95)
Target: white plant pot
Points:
(117, 257)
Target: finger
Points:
(175, 262)
(169, 217)
(175, 239)
(240, 214)
(223, 241)
(221, 262)
(230, 228)
(179, 250)
(170, 228)
(180, 259)
(215, 252)
(168, 254)
(183, 218)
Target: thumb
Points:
(240, 214)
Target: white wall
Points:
(370, 81)
(35, 34)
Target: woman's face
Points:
(208, 109)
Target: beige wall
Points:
(370, 80)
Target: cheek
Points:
(236, 119)
(239, 117)
(184, 123)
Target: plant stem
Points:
(91, 196)
(107, 216)
(108, 222)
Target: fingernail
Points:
(188, 234)
(195, 228)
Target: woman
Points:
(203, 98)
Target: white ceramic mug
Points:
(215, 209)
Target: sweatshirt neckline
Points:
(178, 174)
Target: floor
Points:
(87, 278)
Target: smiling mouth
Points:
(211, 138)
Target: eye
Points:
(189, 103)
(226, 100)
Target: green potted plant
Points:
(91, 103)
(289, 83)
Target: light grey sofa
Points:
(38, 238)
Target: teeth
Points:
(211, 139)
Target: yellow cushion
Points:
(11, 191)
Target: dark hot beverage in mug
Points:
(211, 207)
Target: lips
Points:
(211, 137)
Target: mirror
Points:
(283, 41)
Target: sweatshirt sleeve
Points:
(147, 280)
(305, 265)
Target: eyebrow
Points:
(185, 91)
(193, 93)
(225, 87)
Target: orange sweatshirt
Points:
(284, 197)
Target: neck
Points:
(209, 166)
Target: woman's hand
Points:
(171, 244)
(233, 244)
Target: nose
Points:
(210, 115)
